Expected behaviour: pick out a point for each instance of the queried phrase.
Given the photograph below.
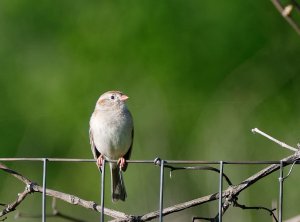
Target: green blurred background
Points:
(200, 75)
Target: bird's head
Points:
(111, 100)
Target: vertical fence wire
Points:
(161, 190)
(220, 190)
(280, 191)
(102, 191)
(44, 190)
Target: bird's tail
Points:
(118, 190)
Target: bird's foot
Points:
(100, 161)
(122, 163)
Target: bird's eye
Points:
(112, 97)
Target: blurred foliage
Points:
(200, 75)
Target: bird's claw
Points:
(100, 161)
(122, 163)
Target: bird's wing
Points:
(95, 152)
(128, 154)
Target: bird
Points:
(111, 137)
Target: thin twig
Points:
(290, 171)
(11, 207)
(255, 130)
(173, 168)
(271, 211)
(292, 23)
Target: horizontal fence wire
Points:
(152, 161)
(162, 164)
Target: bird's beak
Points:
(124, 98)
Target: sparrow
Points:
(111, 137)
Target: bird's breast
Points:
(112, 134)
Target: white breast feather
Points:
(112, 134)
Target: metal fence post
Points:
(220, 190)
(161, 190)
(44, 190)
(280, 192)
(102, 191)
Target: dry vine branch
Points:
(286, 15)
(271, 212)
(208, 168)
(282, 144)
(230, 195)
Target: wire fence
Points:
(163, 165)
